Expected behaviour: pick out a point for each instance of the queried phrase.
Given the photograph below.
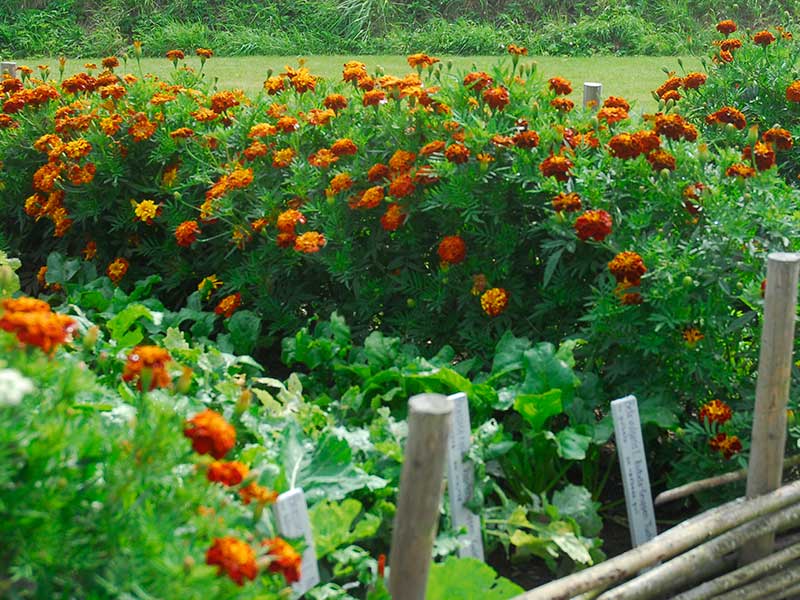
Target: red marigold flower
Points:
(728, 114)
(227, 473)
(625, 146)
(627, 298)
(567, 202)
(210, 434)
(141, 128)
(204, 53)
(792, 92)
(7, 122)
(253, 492)
(726, 27)
(117, 269)
(627, 266)
(612, 114)
(255, 150)
(694, 80)
(517, 50)
(763, 155)
(673, 95)
(692, 336)
(457, 153)
(378, 172)
(781, 138)
(670, 85)
(672, 126)
(374, 98)
(557, 166)
(525, 139)
(477, 80)
(494, 301)
(335, 102)
(233, 557)
(725, 57)
(148, 362)
(452, 249)
(41, 328)
(421, 60)
(727, 445)
(432, 148)
(309, 242)
(186, 233)
(344, 147)
(369, 198)
(763, 38)
(594, 224)
(647, 141)
(285, 559)
(496, 97)
(740, 170)
(562, 104)
(228, 305)
(402, 161)
(401, 186)
(616, 102)
(110, 62)
(661, 159)
(393, 218)
(560, 86)
(287, 124)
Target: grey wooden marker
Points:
(461, 478)
(632, 462)
(8, 67)
(592, 92)
(291, 516)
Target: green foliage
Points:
(464, 578)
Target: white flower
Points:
(13, 386)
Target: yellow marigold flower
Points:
(170, 176)
(77, 149)
(494, 301)
(209, 285)
(309, 242)
(90, 250)
(146, 211)
(260, 130)
(283, 158)
(692, 336)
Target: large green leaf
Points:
(467, 579)
(508, 353)
(332, 524)
(244, 327)
(572, 445)
(124, 328)
(575, 501)
(544, 371)
(537, 408)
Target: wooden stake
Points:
(421, 486)
(767, 446)
(592, 95)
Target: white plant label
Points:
(291, 516)
(461, 478)
(635, 480)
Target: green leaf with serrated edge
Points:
(467, 579)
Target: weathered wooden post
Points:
(592, 95)
(8, 67)
(765, 470)
(420, 495)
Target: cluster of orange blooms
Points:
(148, 364)
(35, 324)
(627, 268)
(715, 411)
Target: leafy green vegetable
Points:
(467, 579)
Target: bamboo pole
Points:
(765, 588)
(712, 482)
(768, 441)
(742, 575)
(657, 582)
(670, 543)
(421, 487)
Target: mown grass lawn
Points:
(632, 77)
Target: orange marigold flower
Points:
(287, 124)
(626, 297)
(728, 114)
(612, 114)
(117, 269)
(378, 172)
(181, 133)
(401, 186)
(141, 128)
(82, 175)
(285, 559)
(110, 62)
(354, 70)
(648, 140)
(288, 219)
(727, 445)
(494, 301)
(204, 114)
(562, 104)
(7, 122)
(627, 266)
(253, 492)
(148, 363)
(255, 150)
(517, 50)
(616, 102)
(724, 56)
(763, 155)
(457, 153)
(25, 304)
(793, 92)
(228, 305)
(322, 158)
(274, 84)
(625, 146)
(672, 126)
(421, 60)
(478, 80)
(223, 101)
(567, 202)
(233, 557)
(41, 328)
(694, 80)
(673, 95)
(371, 197)
(557, 166)
(393, 218)
(670, 85)
(496, 97)
(340, 183)
(730, 45)
(452, 249)
(146, 211)
(204, 53)
(780, 138)
(283, 158)
(45, 177)
(227, 473)
(186, 233)
(318, 117)
(303, 81)
(374, 98)
(594, 224)
(661, 159)
(260, 130)
(89, 251)
(524, 139)
(715, 411)
(692, 336)
(560, 86)
(344, 147)
(162, 98)
(239, 178)
(309, 242)
(432, 147)
(111, 124)
(175, 55)
(402, 161)
(335, 102)
(740, 170)
(726, 27)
